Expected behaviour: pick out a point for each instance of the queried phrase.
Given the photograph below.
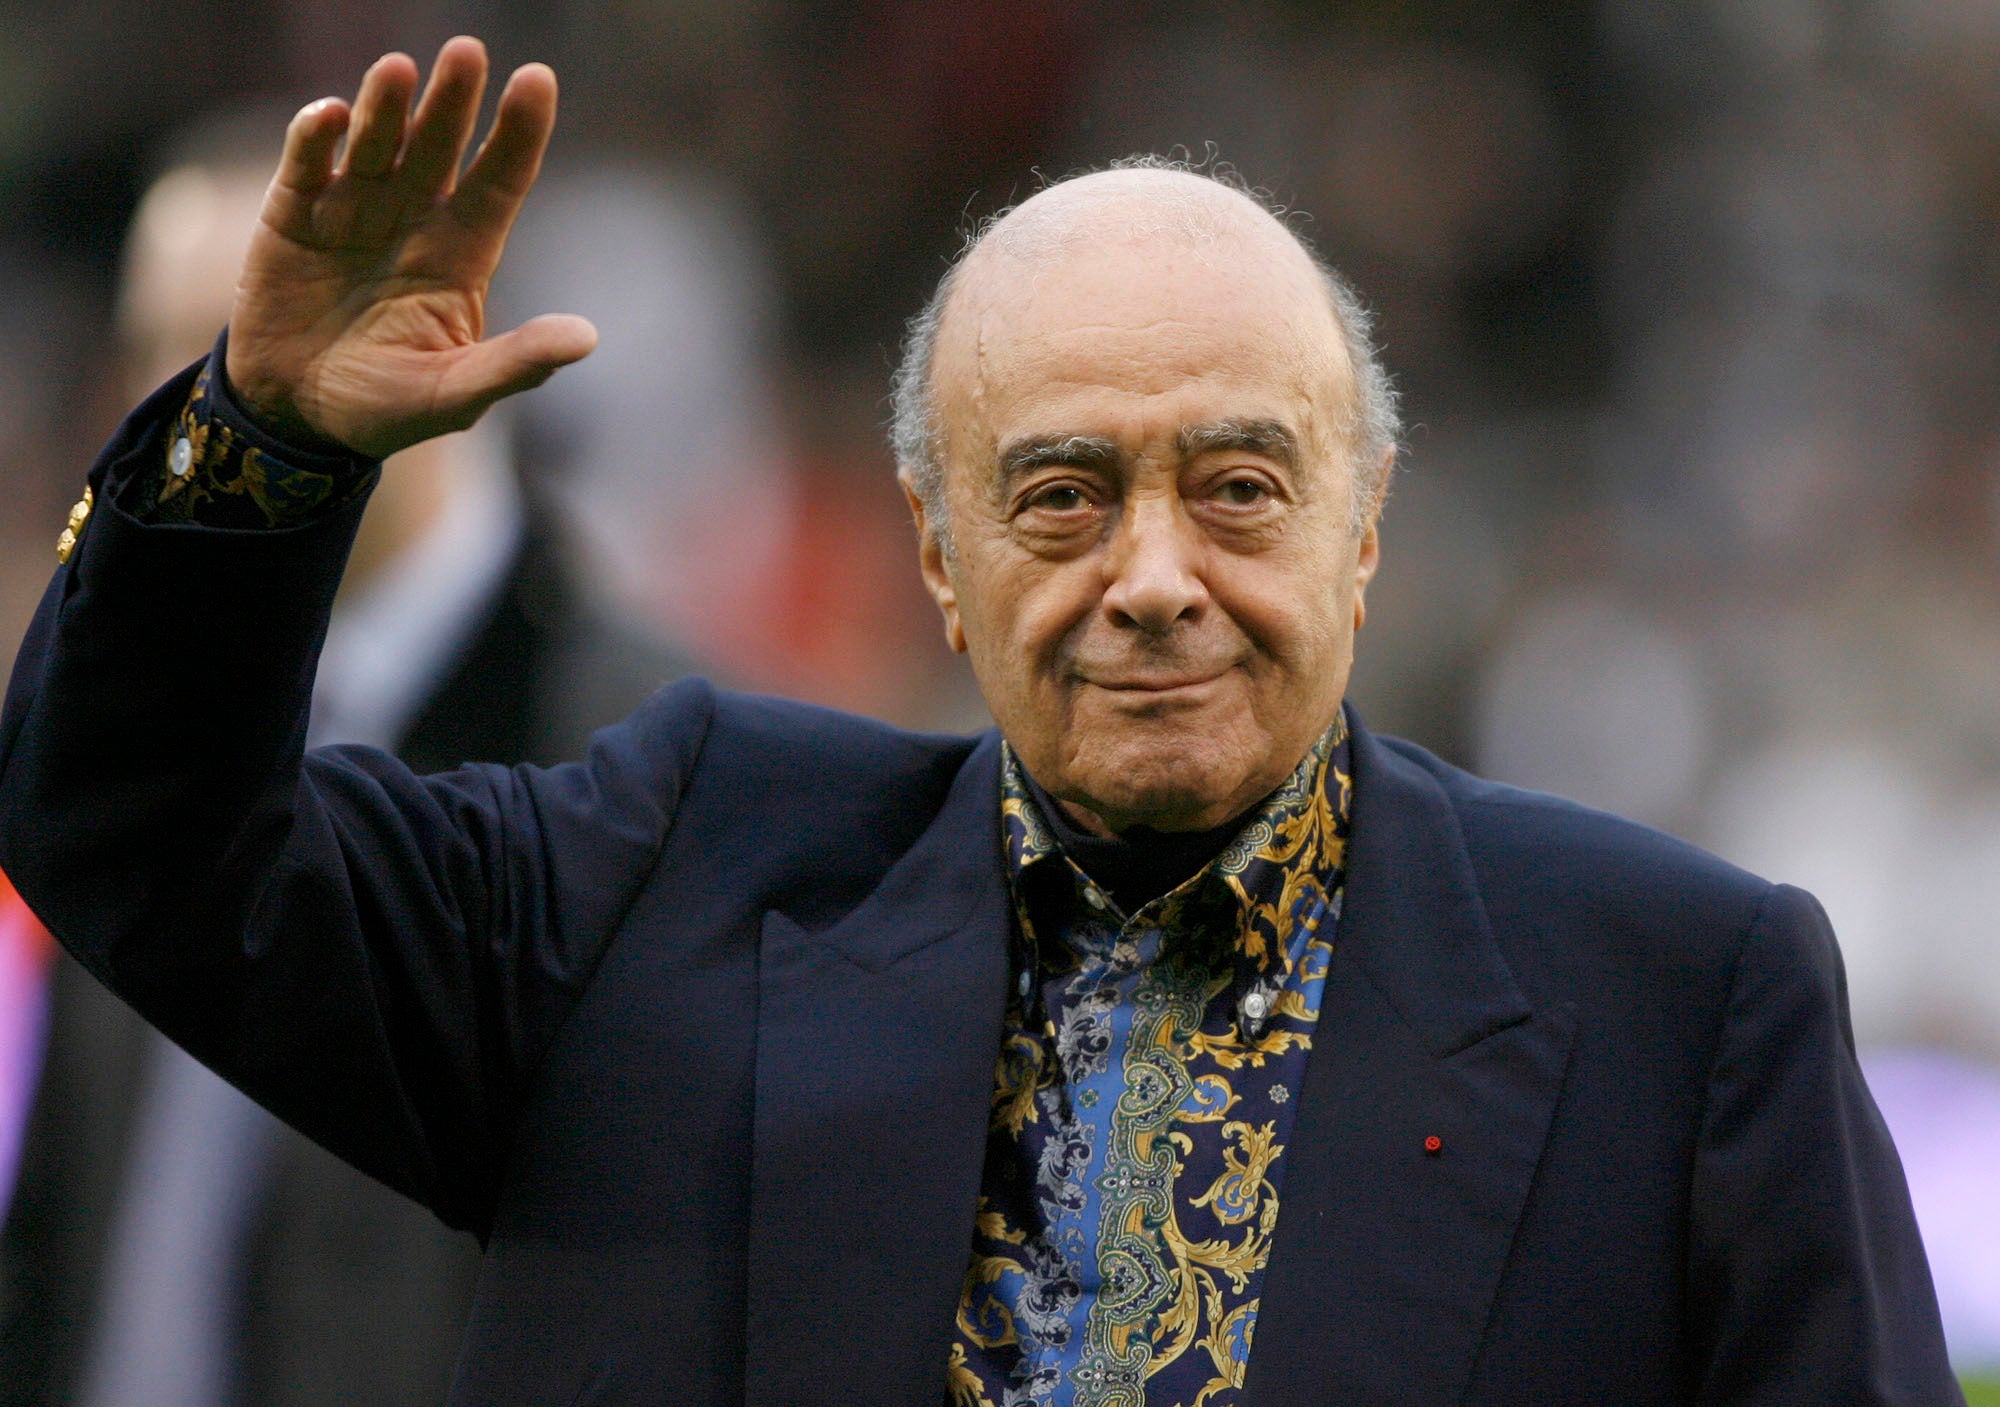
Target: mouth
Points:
(1150, 684)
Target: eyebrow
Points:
(1268, 438)
(1081, 451)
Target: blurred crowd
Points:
(1695, 308)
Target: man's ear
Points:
(1369, 552)
(931, 561)
(1365, 561)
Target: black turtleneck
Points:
(1138, 865)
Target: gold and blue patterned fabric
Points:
(222, 470)
(1144, 1098)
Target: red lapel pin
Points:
(1433, 1145)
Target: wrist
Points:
(271, 413)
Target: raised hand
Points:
(360, 316)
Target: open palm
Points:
(360, 315)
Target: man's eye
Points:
(1243, 493)
(1059, 498)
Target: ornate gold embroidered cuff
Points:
(222, 470)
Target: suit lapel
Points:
(1387, 1255)
(866, 1166)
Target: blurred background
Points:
(1695, 307)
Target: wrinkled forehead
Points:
(1138, 282)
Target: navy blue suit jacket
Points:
(699, 1034)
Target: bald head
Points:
(1142, 214)
(1133, 205)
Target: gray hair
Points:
(916, 430)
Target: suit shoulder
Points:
(776, 721)
(816, 747)
(810, 806)
(758, 742)
(1610, 863)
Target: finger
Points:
(445, 117)
(510, 158)
(381, 110)
(306, 167)
(512, 362)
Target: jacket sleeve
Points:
(1807, 1280)
(379, 958)
(222, 469)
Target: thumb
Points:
(515, 361)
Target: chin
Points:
(1180, 787)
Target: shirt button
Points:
(180, 458)
(1256, 1005)
(1094, 897)
(1027, 980)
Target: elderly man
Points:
(1178, 1043)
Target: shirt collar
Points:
(1288, 858)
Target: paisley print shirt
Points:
(1144, 1097)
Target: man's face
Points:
(1155, 572)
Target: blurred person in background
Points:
(643, 451)
(168, 1243)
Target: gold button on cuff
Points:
(78, 516)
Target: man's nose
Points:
(1153, 565)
